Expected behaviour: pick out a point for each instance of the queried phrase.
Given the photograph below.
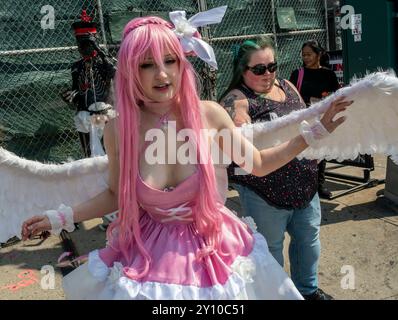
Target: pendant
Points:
(164, 124)
(168, 189)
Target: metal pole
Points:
(249, 36)
(208, 73)
(101, 20)
(44, 50)
(326, 25)
(40, 50)
(202, 5)
(274, 24)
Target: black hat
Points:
(85, 26)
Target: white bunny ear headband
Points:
(187, 32)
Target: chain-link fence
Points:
(37, 48)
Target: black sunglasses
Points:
(260, 69)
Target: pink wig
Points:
(140, 37)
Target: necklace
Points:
(163, 121)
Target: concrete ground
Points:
(359, 258)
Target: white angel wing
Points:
(28, 188)
(371, 126)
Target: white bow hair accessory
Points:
(185, 30)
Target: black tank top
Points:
(294, 185)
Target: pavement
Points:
(359, 257)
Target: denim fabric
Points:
(302, 225)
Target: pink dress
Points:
(168, 231)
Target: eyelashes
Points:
(148, 65)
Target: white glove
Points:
(312, 134)
(61, 219)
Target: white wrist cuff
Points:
(61, 219)
(313, 133)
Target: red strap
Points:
(84, 31)
(300, 79)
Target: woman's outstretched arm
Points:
(103, 203)
(263, 162)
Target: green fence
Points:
(36, 53)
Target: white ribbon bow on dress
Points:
(174, 213)
(185, 30)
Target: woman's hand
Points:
(69, 95)
(35, 225)
(336, 106)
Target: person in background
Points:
(314, 80)
(285, 200)
(92, 91)
(92, 78)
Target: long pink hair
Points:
(154, 35)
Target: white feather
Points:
(29, 187)
(371, 126)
